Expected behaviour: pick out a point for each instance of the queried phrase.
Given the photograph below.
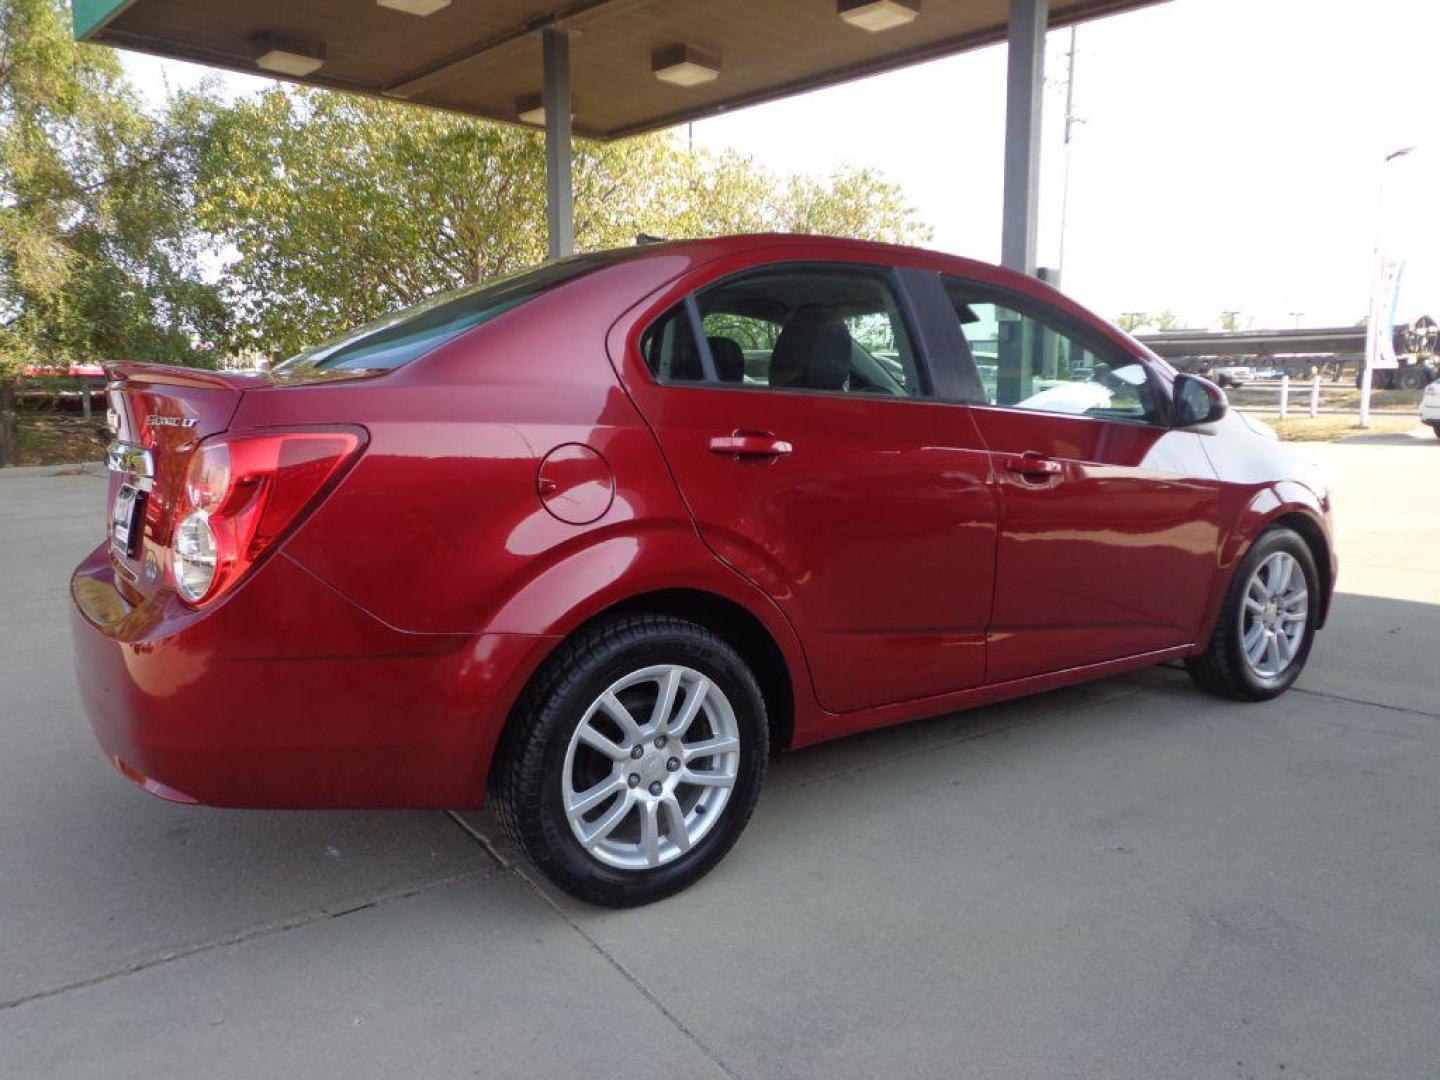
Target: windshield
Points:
(403, 335)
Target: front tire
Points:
(633, 760)
(1267, 623)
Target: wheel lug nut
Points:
(659, 741)
(634, 780)
(637, 751)
(655, 788)
(673, 764)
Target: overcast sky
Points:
(1230, 155)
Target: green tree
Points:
(97, 250)
(849, 202)
(720, 194)
(339, 208)
(1130, 321)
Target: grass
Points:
(1337, 428)
(1332, 396)
(57, 439)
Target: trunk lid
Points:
(159, 414)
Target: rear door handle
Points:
(1032, 465)
(750, 444)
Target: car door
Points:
(793, 405)
(1109, 518)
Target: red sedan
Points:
(597, 538)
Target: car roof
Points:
(837, 245)
(708, 248)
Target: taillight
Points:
(242, 492)
(209, 478)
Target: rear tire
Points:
(1258, 650)
(602, 780)
(1413, 377)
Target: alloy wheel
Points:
(650, 767)
(1274, 614)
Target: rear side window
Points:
(832, 329)
(404, 335)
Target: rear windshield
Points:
(403, 335)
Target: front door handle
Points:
(750, 444)
(1032, 466)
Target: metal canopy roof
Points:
(480, 56)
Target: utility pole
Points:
(1070, 122)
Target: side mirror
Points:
(1198, 401)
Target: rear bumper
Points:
(288, 695)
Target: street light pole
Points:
(1373, 329)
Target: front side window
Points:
(821, 329)
(1025, 361)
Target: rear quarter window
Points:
(402, 336)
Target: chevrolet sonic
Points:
(599, 537)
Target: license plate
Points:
(125, 521)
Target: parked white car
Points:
(1430, 406)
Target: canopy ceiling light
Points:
(684, 65)
(415, 7)
(530, 109)
(285, 55)
(877, 15)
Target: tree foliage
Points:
(98, 254)
(338, 208)
(1132, 321)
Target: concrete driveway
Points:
(1127, 879)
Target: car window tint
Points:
(825, 329)
(1026, 362)
(411, 332)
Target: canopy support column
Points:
(559, 150)
(1024, 90)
